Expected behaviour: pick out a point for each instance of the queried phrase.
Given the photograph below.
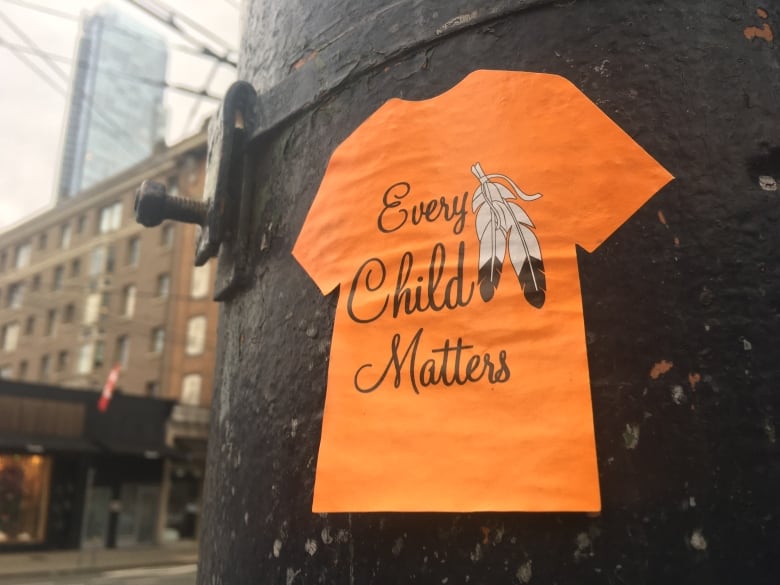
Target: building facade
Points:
(84, 287)
(115, 116)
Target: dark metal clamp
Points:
(225, 210)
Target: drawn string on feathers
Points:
(502, 224)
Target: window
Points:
(128, 300)
(105, 300)
(75, 267)
(36, 282)
(201, 276)
(45, 364)
(10, 336)
(157, 340)
(29, 325)
(62, 361)
(163, 285)
(152, 388)
(196, 335)
(65, 236)
(86, 359)
(43, 240)
(91, 308)
(23, 252)
(100, 354)
(6, 372)
(15, 295)
(80, 223)
(97, 260)
(69, 314)
(190, 389)
(110, 218)
(133, 251)
(56, 281)
(25, 481)
(51, 321)
(22, 369)
(166, 236)
(122, 352)
(110, 260)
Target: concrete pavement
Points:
(47, 563)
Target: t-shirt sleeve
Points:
(330, 238)
(609, 175)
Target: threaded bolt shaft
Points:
(153, 205)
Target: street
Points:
(172, 575)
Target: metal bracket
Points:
(227, 193)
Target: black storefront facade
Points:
(74, 477)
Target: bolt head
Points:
(149, 204)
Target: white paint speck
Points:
(293, 427)
(525, 572)
(678, 394)
(692, 502)
(584, 547)
(746, 345)
(277, 548)
(246, 518)
(326, 536)
(291, 575)
(631, 436)
(310, 546)
(698, 542)
(767, 183)
(398, 546)
(477, 554)
(770, 431)
(602, 69)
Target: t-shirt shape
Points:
(458, 377)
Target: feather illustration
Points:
(501, 223)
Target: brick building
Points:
(83, 287)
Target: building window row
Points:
(22, 253)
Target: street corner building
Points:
(84, 289)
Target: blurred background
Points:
(107, 330)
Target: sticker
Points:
(458, 376)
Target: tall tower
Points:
(115, 114)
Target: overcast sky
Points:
(32, 113)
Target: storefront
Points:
(74, 477)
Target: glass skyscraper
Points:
(116, 114)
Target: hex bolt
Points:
(153, 205)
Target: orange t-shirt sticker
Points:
(458, 376)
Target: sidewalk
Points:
(74, 561)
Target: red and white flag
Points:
(108, 388)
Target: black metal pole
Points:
(688, 459)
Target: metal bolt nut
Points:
(153, 205)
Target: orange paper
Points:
(458, 373)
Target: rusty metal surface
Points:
(680, 307)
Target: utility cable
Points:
(200, 93)
(169, 19)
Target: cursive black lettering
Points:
(392, 199)
(357, 282)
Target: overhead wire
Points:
(169, 18)
(201, 93)
(43, 9)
